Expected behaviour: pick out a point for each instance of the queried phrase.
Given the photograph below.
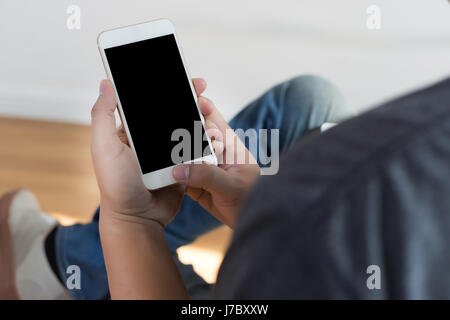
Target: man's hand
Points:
(131, 217)
(220, 190)
(123, 193)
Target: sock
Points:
(50, 251)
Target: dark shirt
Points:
(374, 190)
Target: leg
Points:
(80, 245)
(294, 107)
(72, 240)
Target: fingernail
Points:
(102, 86)
(181, 173)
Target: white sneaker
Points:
(29, 228)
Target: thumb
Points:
(204, 176)
(102, 114)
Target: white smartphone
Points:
(156, 99)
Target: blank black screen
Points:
(156, 98)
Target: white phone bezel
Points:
(134, 33)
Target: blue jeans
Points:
(293, 107)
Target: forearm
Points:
(138, 261)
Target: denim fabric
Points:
(294, 107)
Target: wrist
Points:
(119, 233)
(117, 222)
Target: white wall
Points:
(240, 47)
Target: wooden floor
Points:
(53, 161)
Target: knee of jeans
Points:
(317, 98)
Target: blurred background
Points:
(49, 75)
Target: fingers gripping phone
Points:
(156, 98)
